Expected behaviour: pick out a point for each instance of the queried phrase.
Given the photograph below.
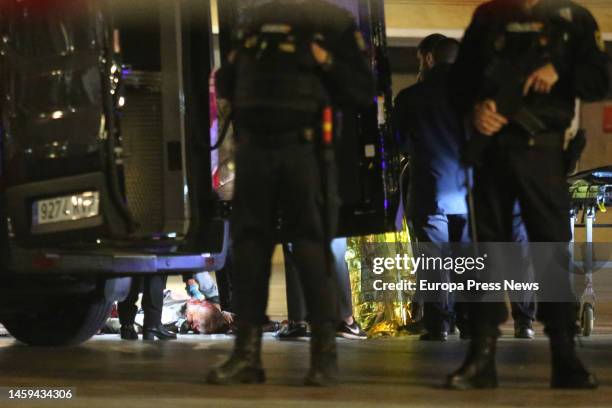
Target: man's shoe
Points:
(128, 333)
(523, 330)
(271, 327)
(244, 365)
(568, 372)
(323, 356)
(351, 331)
(478, 369)
(434, 336)
(160, 332)
(292, 330)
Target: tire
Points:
(588, 320)
(65, 321)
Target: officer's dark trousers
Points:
(438, 306)
(536, 177)
(152, 288)
(225, 280)
(522, 305)
(270, 179)
(296, 305)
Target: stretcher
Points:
(591, 192)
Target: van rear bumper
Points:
(111, 261)
(120, 264)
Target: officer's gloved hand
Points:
(194, 292)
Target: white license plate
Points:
(66, 208)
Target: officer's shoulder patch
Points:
(276, 28)
(600, 40)
(360, 41)
(524, 27)
(567, 14)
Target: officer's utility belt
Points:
(520, 139)
(277, 139)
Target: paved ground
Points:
(391, 372)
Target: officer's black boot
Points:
(323, 355)
(478, 369)
(244, 365)
(567, 369)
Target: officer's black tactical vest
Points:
(515, 51)
(276, 74)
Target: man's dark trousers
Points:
(438, 306)
(152, 288)
(296, 305)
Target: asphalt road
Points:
(107, 372)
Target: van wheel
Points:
(64, 321)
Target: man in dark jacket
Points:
(436, 204)
(437, 210)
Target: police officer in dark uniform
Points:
(294, 58)
(521, 67)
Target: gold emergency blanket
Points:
(380, 313)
